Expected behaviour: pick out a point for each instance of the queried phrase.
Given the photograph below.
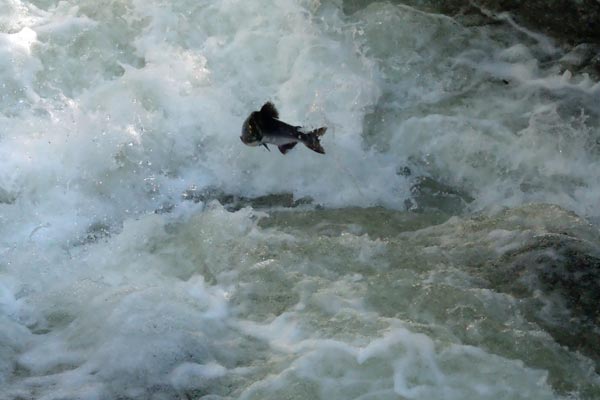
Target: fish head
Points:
(251, 134)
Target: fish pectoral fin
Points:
(286, 147)
(266, 147)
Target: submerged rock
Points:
(427, 193)
(572, 21)
(566, 269)
(95, 232)
(546, 257)
(575, 21)
(234, 202)
(535, 269)
(7, 197)
(579, 56)
(562, 264)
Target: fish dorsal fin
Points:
(269, 110)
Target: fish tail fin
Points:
(318, 132)
(312, 140)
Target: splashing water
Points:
(441, 249)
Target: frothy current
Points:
(445, 247)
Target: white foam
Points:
(400, 363)
(110, 111)
(191, 375)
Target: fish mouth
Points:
(248, 141)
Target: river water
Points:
(445, 247)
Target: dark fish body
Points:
(264, 127)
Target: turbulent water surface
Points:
(445, 247)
